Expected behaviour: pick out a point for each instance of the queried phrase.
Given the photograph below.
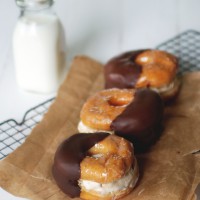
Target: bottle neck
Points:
(34, 5)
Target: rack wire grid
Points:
(13, 134)
(186, 46)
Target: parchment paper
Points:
(169, 170)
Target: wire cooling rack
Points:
(186, 46)
(13, 134)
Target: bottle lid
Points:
(34, 4)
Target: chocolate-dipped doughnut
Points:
(95, 166)
(154, 69)
(134, 114)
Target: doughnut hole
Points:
(113, 101)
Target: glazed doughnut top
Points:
(141, 68)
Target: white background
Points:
(97, 28)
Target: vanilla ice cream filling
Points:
(82, 128)
(165, 88)
(129, 180)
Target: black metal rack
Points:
(13, 134)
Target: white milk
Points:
(38, 52)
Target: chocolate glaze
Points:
(122, 71)
(141, 121)
(66, 167)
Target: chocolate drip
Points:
(141, 121)
(122, 71)
(66, 167)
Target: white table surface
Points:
(100, 29)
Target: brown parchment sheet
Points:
(169, 170)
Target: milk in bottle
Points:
(38, 47)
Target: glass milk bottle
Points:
(38, 47)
